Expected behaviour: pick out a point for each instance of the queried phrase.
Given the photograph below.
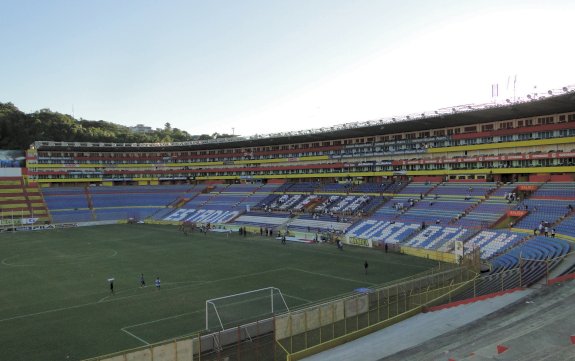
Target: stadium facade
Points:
(523, 140)
(485, 188)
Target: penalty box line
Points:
(330, 276)
(200, 283)
(118, 299)
(126, 328)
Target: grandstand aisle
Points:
(416, 330)
(474, 331)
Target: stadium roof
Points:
(442, 118)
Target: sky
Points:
(262, 66)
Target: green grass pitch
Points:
(55, 302)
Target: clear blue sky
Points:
(269, 66)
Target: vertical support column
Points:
(290, 334)
(320, 325)
(305, 326)
(239, 344)
(520, 271)
(176, 349)
(333, 320)
(397, 301)
(356, 313)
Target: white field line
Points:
(297, 298)
(161, 319)
(47, 311)
(125, 328)
(136, 337)
(330, 276)
(113, 299)
(6, 263)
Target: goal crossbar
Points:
(273, 291)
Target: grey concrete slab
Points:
(416, 330)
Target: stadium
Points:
(288, 245)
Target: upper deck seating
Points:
(542, 210)
(485, 214)
(335, 187)
(434, 237)
(567, 226)
(262, 219)
(492, 242)
(121, 202)
(463, 189)
(539, 255)
(382, 231)
(435, 211)
(556, 190)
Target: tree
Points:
(18, 130)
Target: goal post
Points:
(241, 308)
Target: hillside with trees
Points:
(18, 130)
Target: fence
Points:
(178, 349)
(317, 328)
(253, 341)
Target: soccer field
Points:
(55, 301)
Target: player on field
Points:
(142, 280)
(158, 282)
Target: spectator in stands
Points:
(553, 233)
(437, 221)
(535, 231)
(261, 231)
(385, 247)
(546, 231)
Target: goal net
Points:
(241, 308)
